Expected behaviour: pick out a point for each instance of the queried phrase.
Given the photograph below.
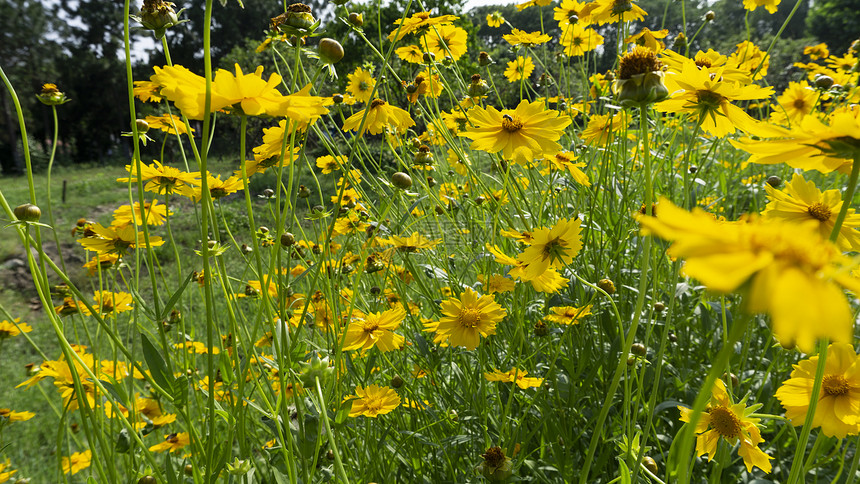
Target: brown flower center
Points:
(511, 124)
(376, 103)
(835, 385)
(725, 422)
(819, 211)
(637, 62)
(799, 104)
(494, 457)
(703, 62)
(709, 99)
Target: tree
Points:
(835, 22)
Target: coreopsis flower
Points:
(418, 23)
(77, 462)
(153, 213)
(411, 54)
(783, 269)
(839, 397)
(108, 303)
(13, 416)
(611, 11)
(564, 161)
(496, 283)
(731, 421)
(151, 409)
(413, 243)
(797, 101)
(9, 329)
(801, 201)
(100, 262)
(147, 91)
(360, 84)
(172, 442)
(514, 375)
(64, 381)
(495, 19)
(770, 5)
(529, 39)
(640, 78)
(5, 473)
(465, 319)
(247, 93)
(532, 3)
(602, 129)
(702, 94)
(572, 12)
(168, 123)
(373, 400)
(649, 39)
(496, 466)
(328, 163)
(425, 84)
(301, 107)
(577, 40)
(379, 115)
(219, 188)
(269, 153)
(162, 179)
(815, 52)
(51, 96)
(519, 69)
(117, 240)
(551, 248)
(749, 59)
(446, 40)
(375, 329)
(568, 315)
(809, 145)
(530, 131)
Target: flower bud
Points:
(774, 181)
(638, 349)
(431, 182)
(650, 464)
(478, 87)
(297, 16)
(288, 239)
(28, 212)
(429, 57)
(640, 79)
(709, 17)
(540, 328)
(268, 193)
(158, 16)
(330, 50)
(496, 467)
(659, 307)
(356, 19)
(823, 82)
(484, 59)
(423, 157)
(401, 180)
(337, 98)
(141, 125)
(396, 381)
(607, 285)
(304, 192)
(314, 369)
(680, 43)
(51, 96)
(147, 480)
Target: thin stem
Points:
(847, 199)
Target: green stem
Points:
(797, 464)
(847, 199)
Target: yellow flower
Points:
(802, 201)
(514, 375)
(108, 303)
(12, 416)
(379, 115)
(4, 474)
(568, 9)
(411, 54)
(495, 19)
(376, 329)
(172, 442)
(577, 40)
(446, 40)
(162, 179)
(496, 283)
(732, 422)
(219, 188)
(810, 145)
(168, 123)
(418, 23)
(523, 134)
(839, 398)
(770, 5)
(797, 101)
(186, 89)
(465, 319)
(815, 52)
(568, 314)
(14, 328)
(273, 144)
(412, 243)
(519, 69)
(147, 91)
(564, 160)
(532, 3)
(77, 462)
(248, 92)
(649, 39)
(117, 240)
(783, 269)
(748, 57)
(360, 84)
(704, 95)
(611, 11)
(328, 163)
(154, 212)
(530, 39)
(301, 107)
(551, 248)
(602, 128)
(373, 400)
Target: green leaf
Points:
(140, 303)
(174, 298)
(116, 391)
(624, 472)
(343, 412)
(157, 366)
(180, 391)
